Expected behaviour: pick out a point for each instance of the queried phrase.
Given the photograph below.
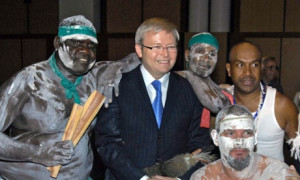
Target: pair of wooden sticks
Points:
(79, 120)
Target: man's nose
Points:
(204, 57)
(165, 51)
(247, 70)
(239, 141)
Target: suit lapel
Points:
(172, 93)
(137, 86)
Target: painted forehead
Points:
(203, 46)
(236, 122)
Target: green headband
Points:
(204, 38)
(76, 29)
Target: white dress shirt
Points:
(148, 79)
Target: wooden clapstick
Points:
(69, 132)
(90, 109)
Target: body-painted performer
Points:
(201, 58)
(37, 101)
(234, 133)
(275, 115)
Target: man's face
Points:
(158, 63)
(78, 56)
(236, 141)
(269, 71)
(245, 67)
(202, 59)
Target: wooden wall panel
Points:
(10, 58)
(120, 47)
(261, 15)
(269, 46)
(34, 50)
(219, 74)
(292, 19)
(43, 17)
(13, 17)
(290, 78)
(123, 16)
(164, 9)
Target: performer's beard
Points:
(238, 163)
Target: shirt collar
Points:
(148, 78)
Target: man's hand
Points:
(110, 79)
(292, 174)
(58, 153)
(197, 151)
(112, 74)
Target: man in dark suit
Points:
(150, 122)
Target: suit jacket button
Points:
(159, 137)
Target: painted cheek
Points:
(92, 64)
(225, 144)
(214, 59)
(196, 57)
(65, 57)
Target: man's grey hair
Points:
(157, 25)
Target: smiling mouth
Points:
(83, 60)
(204, 67)
(163, 61)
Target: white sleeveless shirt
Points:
(270, 136)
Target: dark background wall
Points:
(29, 26)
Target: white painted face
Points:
(76, 60)
(202, 59)
(236, 140)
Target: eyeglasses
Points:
(159, 49)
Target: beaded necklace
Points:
(260, 104)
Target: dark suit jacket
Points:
(127, 136)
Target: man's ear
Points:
(138, 50)
(56, 42)
(228, 69)
(186, 54)
(214, 136)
